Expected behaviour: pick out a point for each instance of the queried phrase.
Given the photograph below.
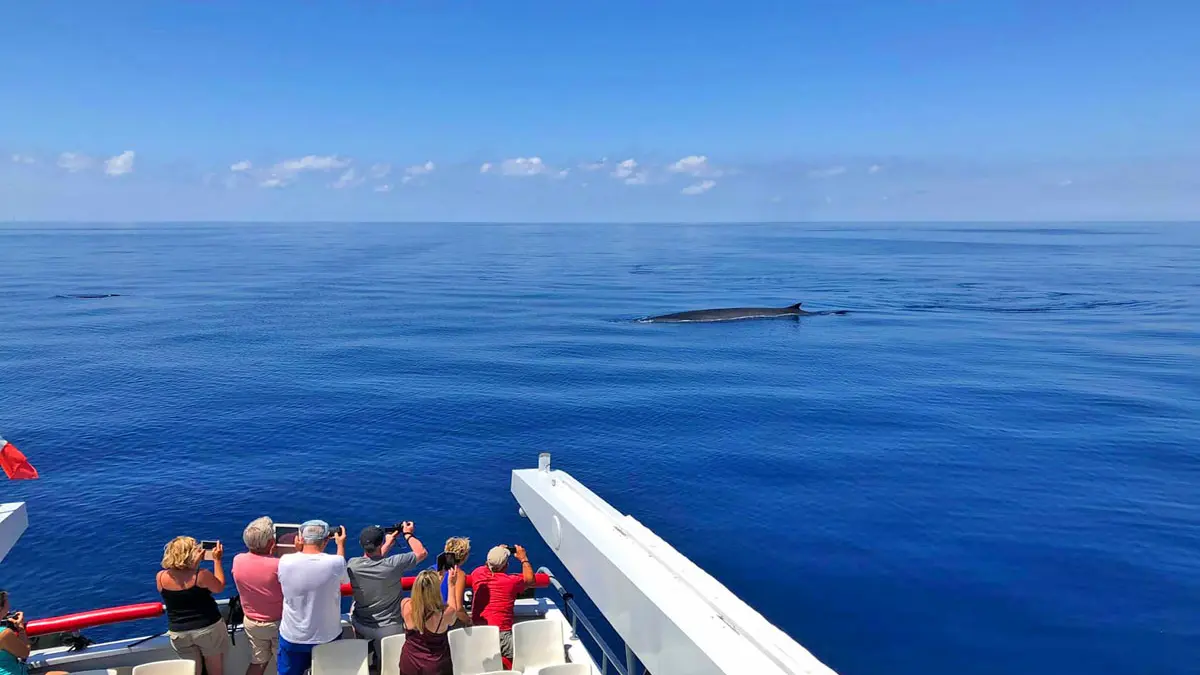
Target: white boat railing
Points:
(577, 618)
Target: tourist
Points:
(194, 622)
(14, 643)
(454, 579)
(256, 574)
(496, 592)
(312, 595)
(375, 578)
(426, 649)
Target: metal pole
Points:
(632, 667)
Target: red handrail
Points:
(97, 617)
(68, 623)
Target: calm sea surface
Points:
(992, 465)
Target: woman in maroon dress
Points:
(426, 619)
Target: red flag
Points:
(15, 466)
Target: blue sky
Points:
(618, 110)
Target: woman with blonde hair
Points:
(426, 649)
(454, 580)
(194, 621)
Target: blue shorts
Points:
(294, 659)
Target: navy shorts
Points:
(294, 659)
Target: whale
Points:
(90, 296)
(736, 314)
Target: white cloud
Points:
(625, 169)
(74, 162)
(638, 178)
(694, 165)
(562, 174)
(310, 163)
(238, 167)
(420, 169)
(485, 167)
(383, 188)
(594, 166)
(875, 168)
(523, 166)
(23, 159)
(827, 173)
(1065, 183)
(380, 170)
(285, 172)
(119, 165)
(348, 179)
(699, 188)
(406, 180)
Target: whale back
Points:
(727, 314)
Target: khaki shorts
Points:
(208, 641)
(263, 637)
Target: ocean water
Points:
(990, 466)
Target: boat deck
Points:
(121, 656)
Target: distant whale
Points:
(89, 296)
(735, 314)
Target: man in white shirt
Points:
(312, 596)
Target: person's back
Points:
(256, 574)
(312, 596)
(257, 578)
(426, 649)
(375, 577)
(495, 593)
(495, 597)
(312, 592)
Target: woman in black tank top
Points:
(194, 621)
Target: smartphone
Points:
(511, 549)
(207, 546)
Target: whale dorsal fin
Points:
(795, 306)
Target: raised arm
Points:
(339, 536)
(526, 567)
(213, 581)
(415, 544)
(14, 640)
(458, 595)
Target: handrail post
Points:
(632, 667)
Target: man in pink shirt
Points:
(256, 574)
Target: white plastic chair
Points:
(475, 650)
(172, 667)
(389, 654)
(567, 669)
(537, 643)
(341, 657)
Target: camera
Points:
(512, 550)
(10, 621)
(392, 529)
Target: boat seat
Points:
(536, 644)
(389, 654)
(171, 667)
(341, 657)
(475, 650)
(567, 669)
